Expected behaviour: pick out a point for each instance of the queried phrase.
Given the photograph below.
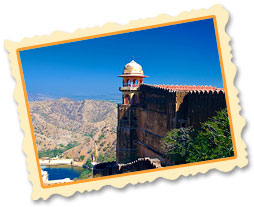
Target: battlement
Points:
(112, 168)
(189, 88)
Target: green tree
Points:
(176, 144)
(212, 141)
(89, 163)
(82, 157)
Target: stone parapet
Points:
(112, 168)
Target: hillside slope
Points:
(87, 126)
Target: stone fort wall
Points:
(142, 127)
(112, 168)
(199, 106)
(156, 116)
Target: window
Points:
(134, 99)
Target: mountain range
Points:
(111, 97)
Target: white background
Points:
(19, 19)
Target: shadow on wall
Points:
(197, 107)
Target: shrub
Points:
(87, 173)
(101, 137)
(89, 163)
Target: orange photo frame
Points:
(219, 16)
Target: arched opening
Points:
(134, 83)
(126, 99)
(124, 82)
(134, 99)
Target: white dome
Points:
(132, 68)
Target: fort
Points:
(111, 168)
(149, 112)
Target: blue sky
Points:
(179, 54)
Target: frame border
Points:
(219, 16)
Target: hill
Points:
(75, 128)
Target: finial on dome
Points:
(132, 57)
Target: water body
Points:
(58, 172)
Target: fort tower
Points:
(127, 122)
(149, 112)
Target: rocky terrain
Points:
(76, 128)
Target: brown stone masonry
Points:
(160, 109)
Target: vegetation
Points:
(176, 144)
(101, 137)
(212, 141)
(87, 173)
(51, 152)
(88, 135)
(89, 163)
(57, 151)
(106, 157)
(71, 145)
(100, 158)
(82, 157)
